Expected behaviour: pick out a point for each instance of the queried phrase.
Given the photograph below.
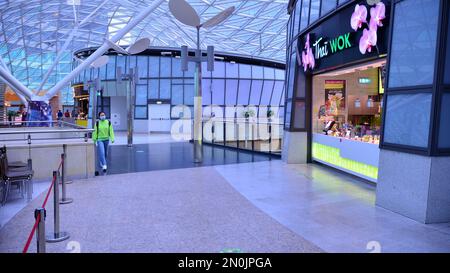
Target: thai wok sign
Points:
(356, 32)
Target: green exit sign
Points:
(365, 81)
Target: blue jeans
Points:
(102, 148)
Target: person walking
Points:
(60, 116)
(103, 133)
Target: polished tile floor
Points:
(172, 155)
(332, 210)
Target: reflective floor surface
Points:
(172, 155)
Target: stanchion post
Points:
(40, 233)
(57, 235)
(64, 199)
(64, 166)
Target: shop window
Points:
(444, 128)
(291, 76)
(244, 92)
(231, 92)
(153, 67)
(413, 43)
(407, 119)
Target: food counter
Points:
(353, 156)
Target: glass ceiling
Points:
(33, 31)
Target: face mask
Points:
(102, 117)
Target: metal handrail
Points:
(47, 131)
(59, 122)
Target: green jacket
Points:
(104, 131)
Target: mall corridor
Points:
(264, 206)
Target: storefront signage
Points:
(364, 34)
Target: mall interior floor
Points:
(265, 206)
(173, 155)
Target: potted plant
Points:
(270, 114)
(249, 113)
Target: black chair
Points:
(22, 176)
(15, 164)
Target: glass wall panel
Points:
(256, 92)
(245, 71)
(231, 92)
(447, 56)
(219, 70)
(279, 74)
(414, 38)
(153, 89)
(141, 94)
(297, 16)
(206, 91)
(142, 62)
(232, 70)
(305, 15)
(176, 68)
(191, 70)
(444, 128)
(177, 92)
(257, 72)
(140, 112)
(189, 92)
(121, 62)
(244, 92)
(111, 68)
(277, 91)
(165, 67)
(327, 6)
(269, 73)
(267, 92)
(164, 89)
(315, 11)
(218, 95)
(153, 67)
(408, 119)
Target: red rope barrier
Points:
(33, 230)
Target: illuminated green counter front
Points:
(355, 157)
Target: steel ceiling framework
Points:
(32, 32)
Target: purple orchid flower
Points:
(308, 56)
(368, 40)
(377, 15)
(359, 17)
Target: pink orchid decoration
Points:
(368, 40)
(308, 56)
(359, 17)
(377, 15)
